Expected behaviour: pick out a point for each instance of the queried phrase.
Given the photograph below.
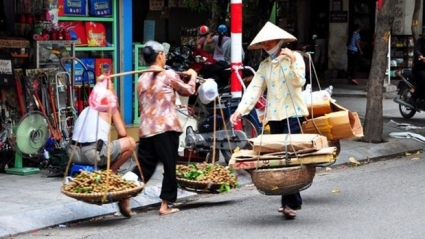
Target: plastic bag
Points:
(102, 98)
(208, 91)
(315, 96)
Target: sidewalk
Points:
(34, 202)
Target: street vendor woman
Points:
(160, 128)
(283, 75)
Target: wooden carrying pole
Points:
(102, 77)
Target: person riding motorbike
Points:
(217, 70)
(418, 70)
(201, 43)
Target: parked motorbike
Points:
(406, 87)
(197, 141)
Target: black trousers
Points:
(353, 63)
(294, 127)
(419, 83)
(160, 148)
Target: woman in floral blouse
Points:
(160, 128)
(283, 75)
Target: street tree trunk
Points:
(373, 123)
(415, 17)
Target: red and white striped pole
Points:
(236, 45)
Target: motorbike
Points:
(197, 141)
(406, 87)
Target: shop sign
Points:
(14, 43)
(156, 5)
(6, 67)
(338, 16)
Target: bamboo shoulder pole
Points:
(102, 77)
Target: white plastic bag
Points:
(208, 91)
(130, 176)
(315, 96)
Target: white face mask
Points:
(273, 51)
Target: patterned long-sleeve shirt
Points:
(156, 93)
(284, 82)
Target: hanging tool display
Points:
(20, 93)
(37, 81)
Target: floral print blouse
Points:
(157, 97)
(284, 82)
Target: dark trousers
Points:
(281, 127)
(419, 83)
(353, 63)
(160, 148)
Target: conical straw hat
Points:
(270, 32)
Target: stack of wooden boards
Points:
(281, 150)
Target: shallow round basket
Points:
(283, 181)
(198, 186)
(99, 198)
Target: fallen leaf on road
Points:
(328, 169)
(354, 161)
(336, 191)
(408, 154)
(323, 174)
(414, 159)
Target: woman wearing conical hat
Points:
(283, 75)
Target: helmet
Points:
(222, 28)
(203, 30)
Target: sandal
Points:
(287, 212)
(295, 208)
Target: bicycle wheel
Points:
(251, 131)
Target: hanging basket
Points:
(283, 181)
(104, 198)
(198, 186)
(215, 179)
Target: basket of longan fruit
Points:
(205, 178)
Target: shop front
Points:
(51, 54)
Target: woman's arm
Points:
(253, 92)
(296, 74)
(184, 89)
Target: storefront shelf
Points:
(92, 48)
(86, 19)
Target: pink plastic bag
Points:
(102, 98)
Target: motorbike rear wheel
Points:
(405, 111)
(248, 126)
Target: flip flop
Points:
(288, 213)
(124, 208)
(173, 210)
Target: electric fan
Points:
(31, 135)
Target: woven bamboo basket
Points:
(104, 198)
(198, 186)
(283, 181)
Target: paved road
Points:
(377, 200)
